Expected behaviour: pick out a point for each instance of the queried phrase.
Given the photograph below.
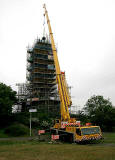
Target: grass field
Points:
(109, 137)
(33, 150)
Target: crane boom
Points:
(65, 99)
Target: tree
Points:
(80, 116)
(101, 112)
(7, 99)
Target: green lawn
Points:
(109, 137)
(34, 150)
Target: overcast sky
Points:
(84, 33)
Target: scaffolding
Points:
(22, 91)
(41, 77)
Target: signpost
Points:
(31, 110)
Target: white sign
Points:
(54, 137)
(41, 131)
(32, 110)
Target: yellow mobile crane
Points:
(68, 128)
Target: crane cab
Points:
(85, 133)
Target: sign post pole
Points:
(30, 124)
(31, 110)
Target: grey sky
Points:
(84, 32)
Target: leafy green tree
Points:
(80, 116)
(101, 112)
(7, 99)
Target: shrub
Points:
(17, 130)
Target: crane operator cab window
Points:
(56, 121)
(78, 131)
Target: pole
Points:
(30, 124)
(31, 110)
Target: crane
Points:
(65, 99)
(72, 131)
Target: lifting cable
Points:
(44, 26)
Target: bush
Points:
(17, 130)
